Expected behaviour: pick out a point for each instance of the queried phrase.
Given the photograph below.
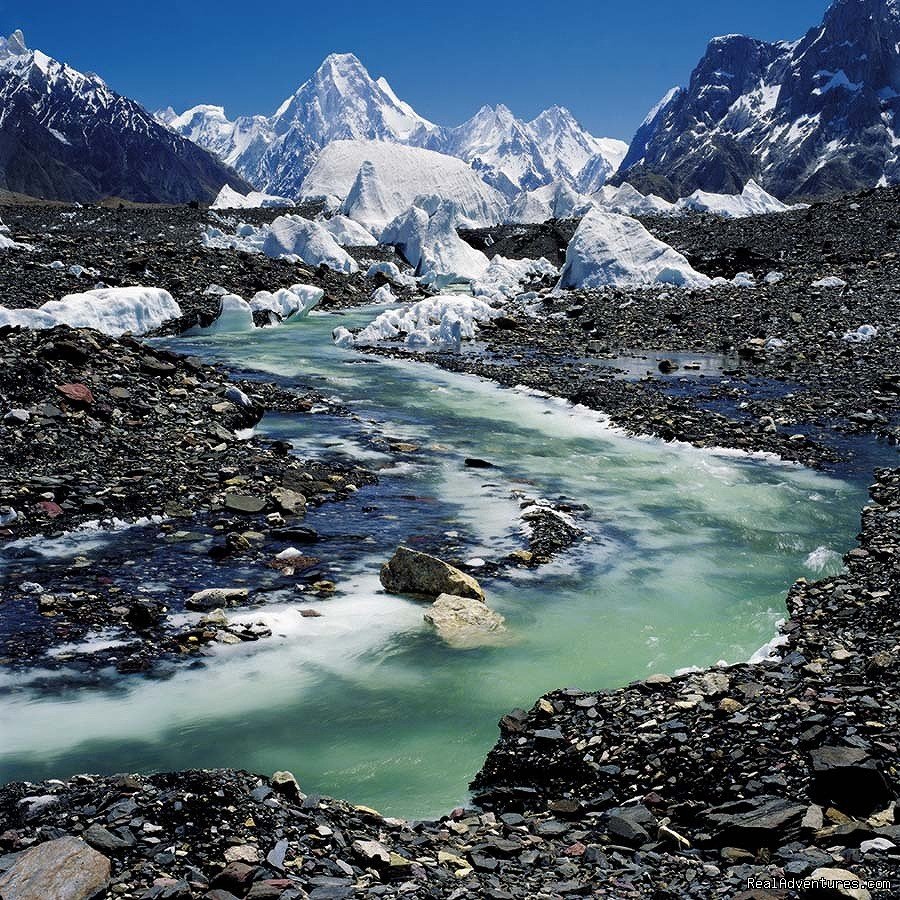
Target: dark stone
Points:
(848, 778)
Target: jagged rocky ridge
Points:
(68, 136)
(806, 118)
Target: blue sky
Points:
(607, 60)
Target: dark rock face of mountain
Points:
(804, 119)
(67, 136)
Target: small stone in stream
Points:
(473, 462)
(302, 534)
(62, 869)
(285, 783)
(411, 572)
(244, 503)
(666, 366)
(211, 598)
(310, 613)
(463, 623)
(848, 778)
(78, 393)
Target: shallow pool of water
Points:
(687, 560)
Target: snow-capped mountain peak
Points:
(341, 101)
(66, 135)
(13, 47)
(803, 118)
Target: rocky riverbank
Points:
(764, 781)
(100, 434)
(159, 246)
(779, 366)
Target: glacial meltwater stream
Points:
(689, 556)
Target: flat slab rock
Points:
(64, 869)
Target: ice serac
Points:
(228, 198)
(294, 236)
(610, 249)
(752, 201)
(626, 200)
(113, 311)
(807, 118)
(378, 180)
(348, 233)
(429, 241)
(557, 200)
(67, 136)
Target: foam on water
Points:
(690, 557)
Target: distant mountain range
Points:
(802, 119)
(343, 102)
(67, 136)
(809, 118)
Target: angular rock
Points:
(244, 503)
(411, 572)
(211, 598)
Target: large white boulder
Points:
(464, 623)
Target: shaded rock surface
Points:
(411, 572)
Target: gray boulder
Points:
(411, 572)
(64, 869)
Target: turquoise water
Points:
(688, 558)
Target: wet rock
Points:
(244, 503)
(61, 869)
(463, 622)
(411, 572)
(213, 598)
